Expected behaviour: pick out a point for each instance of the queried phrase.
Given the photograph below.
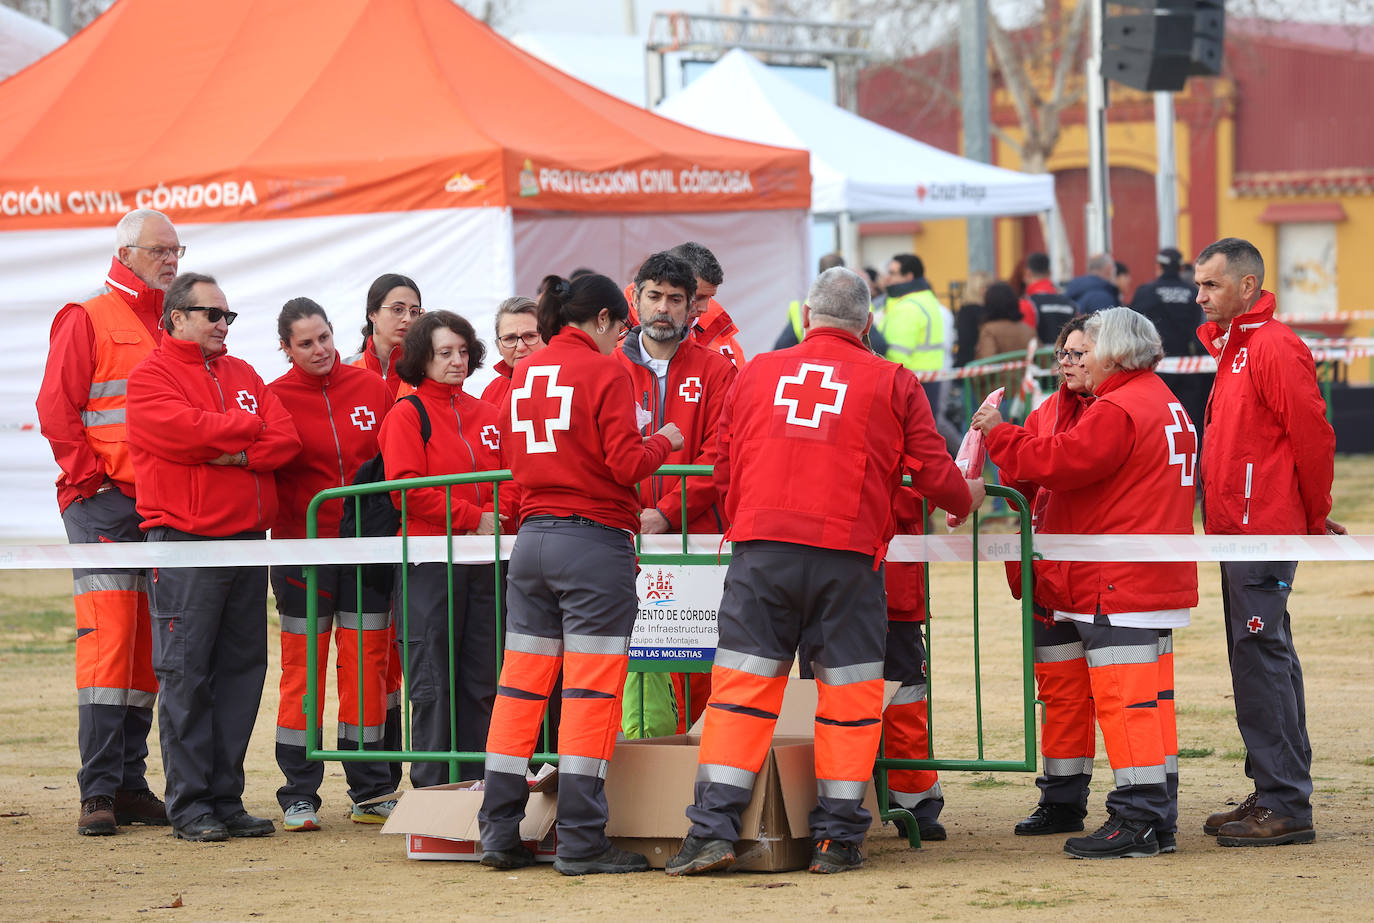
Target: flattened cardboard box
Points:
(650, 784)
(440, 822)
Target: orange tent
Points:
(304, 148)
(254, 109)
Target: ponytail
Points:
(562, 302)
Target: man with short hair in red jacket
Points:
(1267, 467)
(206, 435)
(93, 347)
(813, 444)
(676, 379)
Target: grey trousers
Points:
(1271, 708)
(210, 656)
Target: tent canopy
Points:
(24, 40)
(857, 166)
(255, 109)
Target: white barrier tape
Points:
(477, 549)
(1329, 317)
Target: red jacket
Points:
(464, 437)
(569, 436)
(1058, 414)
(694, 390)
(814, 441)
(1268, 459)
(496, 390)
(338, 417)
(72, 381)
(905, 581)
(185, 409)
(1126, 467)
(367, 359)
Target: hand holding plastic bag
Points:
(973, 451)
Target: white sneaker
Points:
(373, 813)
(300, 816)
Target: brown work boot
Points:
(1262, 827)
(141, 807)
(97, 817)
(1221, 818)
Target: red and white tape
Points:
(476, 549)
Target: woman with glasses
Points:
(441, 429)
(1125, 467)
(393, 304)
(337, 410)
(1068, 741)
(517, 335)
(570, 438)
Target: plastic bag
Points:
(973, 451)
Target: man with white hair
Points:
(93, 347)
(812, 446)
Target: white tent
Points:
(24, 40)
(859, 169)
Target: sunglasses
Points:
(215, 314)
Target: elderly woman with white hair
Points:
(1127, 467)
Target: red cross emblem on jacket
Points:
(1182, 438)
(810, 393)
(690, 390)
(541, 407)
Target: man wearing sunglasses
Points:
(93, 347)
(205, 435)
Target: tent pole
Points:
(973, 84)
(1166, 171)
(849, 242)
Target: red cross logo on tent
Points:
(363, 418)
(491, 437)
(690, 390)
(810, 393)
(247, 401)
(541, 407)
(1182, 438)
(1238, 363)
(1255, 624)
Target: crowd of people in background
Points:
(162, 436)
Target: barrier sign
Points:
(677, 612)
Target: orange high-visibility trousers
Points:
(1068, 735)
(1123, 667)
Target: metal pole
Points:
(1166, 171)
(60, 15)
(974, 92)
(1099, 224)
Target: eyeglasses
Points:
(215, 314)
(510, 339)
(1070, 356)
(160, 253)
(400, 309)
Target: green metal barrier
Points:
(685, 557)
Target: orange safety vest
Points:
(121, 342)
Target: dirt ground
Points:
(348, 871)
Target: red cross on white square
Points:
(1255, 624)
(247, 400)
(363, 418)
(541, 407)
(810, 393)
(1182, 438)
(690, 390)
(491, 437)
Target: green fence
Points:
(354, 493)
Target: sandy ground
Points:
(349, 871)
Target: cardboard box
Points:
(650, 784)
(440, 822)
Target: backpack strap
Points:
(424, 416)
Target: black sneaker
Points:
(204, 829)
(1167, 842)
(831, 856)
(931, 831)
(1118, 838)
(1051, 818)
(245, 824)
(517, 857)
(611, 862)
(699, 854)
